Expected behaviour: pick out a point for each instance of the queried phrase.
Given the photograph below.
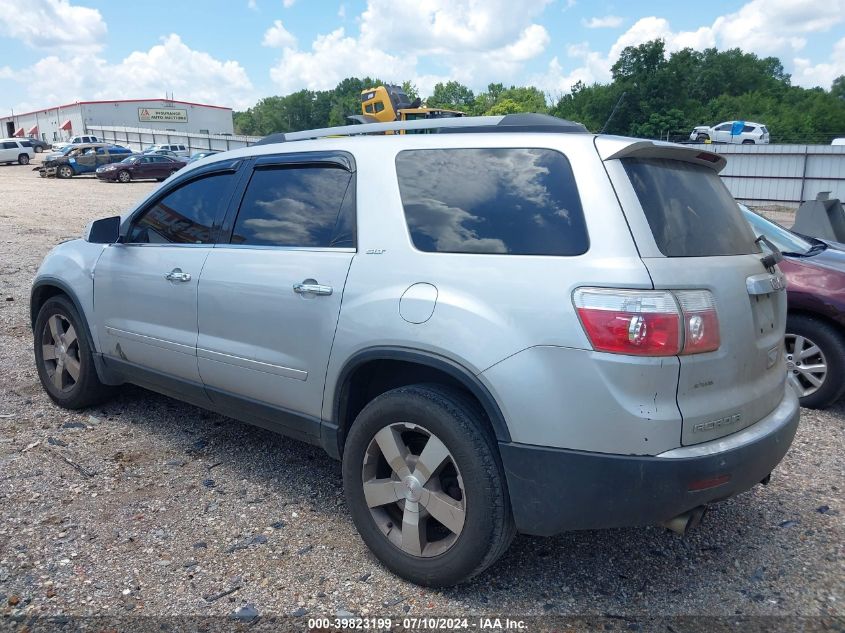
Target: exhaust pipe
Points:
(685, 522)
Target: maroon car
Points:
(815, 327)
(141, 167)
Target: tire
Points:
(811, 333)
(124, 176)
(470, 479)
(42, 173)
(23, 159)
(701, 138)
(59, 321)
(748, 141)
(64, 171)
(38, 149)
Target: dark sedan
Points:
(143, 167)
(815, 326)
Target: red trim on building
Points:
(19, 132)
(33, 131)
(67, 125)
(77, 103)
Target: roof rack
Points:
(486, 124)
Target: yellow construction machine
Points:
(384, 104)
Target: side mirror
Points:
(105, 231)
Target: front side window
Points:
(296, 206)
(186, 215)
(517, 201)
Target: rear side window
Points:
(297, 206)
(186, 215)
(689, 209)
(517, 201)
(9, 145)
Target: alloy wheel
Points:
(414, 490)
(60, 352)
(806, 364)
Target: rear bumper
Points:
(555, 490)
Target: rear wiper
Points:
(818, 247)
(770, 260)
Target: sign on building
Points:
(163, 115)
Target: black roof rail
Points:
(527, 122)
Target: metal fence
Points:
(139, 138)
(782, 174)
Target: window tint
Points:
(748, 128)
(26, 143)
(724, 127)
(689, 209)
(186, 215)
(515, 201)
(9, 145)
(293, 206)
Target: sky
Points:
(234, 52)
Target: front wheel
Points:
(63, 356)
(815, 360)
(124, 176)
(23, 159)
(65, 171)
(425, 486)
(701, 138)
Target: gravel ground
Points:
(149, 506)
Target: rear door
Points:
(269, 300)
(691, 235)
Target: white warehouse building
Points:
(62, 122)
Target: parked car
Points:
(838, 141)
(200, 155)
(164, 152)
(538, 332)
(140, 167)
(13, 150)
(739, 132)
(76, 140)
(177, 148)
(815, 325)
(82, 159)
(37, 144)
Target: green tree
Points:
(451, 95)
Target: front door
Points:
(269, 300)
(145, 289)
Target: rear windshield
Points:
(689, 209)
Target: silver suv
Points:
(515, 327)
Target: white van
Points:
(13, 150)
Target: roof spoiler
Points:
(612, 147)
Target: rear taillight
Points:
(701, 323)
(648, 322)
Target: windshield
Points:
(131, 159)
(785, 240)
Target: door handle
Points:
(311, 287)
(177, 275)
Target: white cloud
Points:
(477, 41)
(170, 66)
(606, 22)
(252, 4)
(569, 4)
(341, 11)
(277, 36)
(334, 57)
(288, 3)
(809, 75)
(764, 27)
(52, 24)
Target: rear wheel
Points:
(425, 487)
(748, 141)
(63, 356)
(23, 159)
(38, 149)
(815, 358)
(124, 176)
(64, 171)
